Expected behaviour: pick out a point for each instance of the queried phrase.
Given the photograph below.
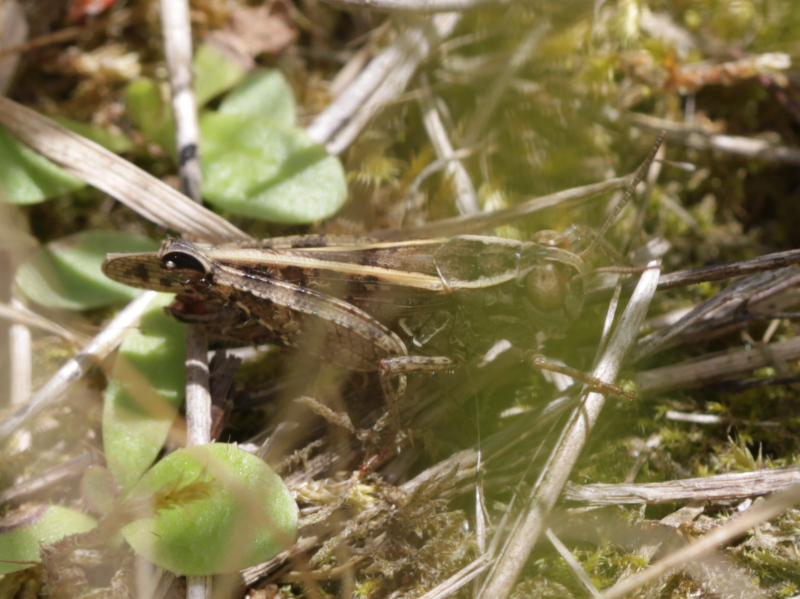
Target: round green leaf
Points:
(66, 273)
(144, 394)
(115, 142)
(150, 112)
(248, 518)
(264, 170)
(264, 94)
(144, 104)
(214, 73)
(22, 531)
(27, 178)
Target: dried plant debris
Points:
(410, 482)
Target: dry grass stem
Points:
(466, 198)
(18, 313)
(177, 32)
(725, 303)
(140, 191)
(21, 354)
(718, 272)
(13, 33)
(716, 420)
(575, 567)
(488, 103)
(460, 579)
(418, 39)
(198, 395)
(708, 370)
(698, 139)
(114, 19)
(726, 488)
(484, 221)
(28, 489)
(382, 80)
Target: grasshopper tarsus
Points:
(543, 363)
(375, 461)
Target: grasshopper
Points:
(339, 298)
(366, 305)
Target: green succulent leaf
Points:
(214, 73)
(23, 532)
(264, 94)
(144, 394)
(246, 516)
(66, 274)
(115, 142)
(27, 178)
(261, 169)
(151, 114)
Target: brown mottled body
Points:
(341, 301)
(362, 304)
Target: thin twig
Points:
(715, 272)
(198, 396)
(722, 487)
(384, 78)
(26, 489)
(117, 18)
(728, 144)
(17, 313)
(177, 31)
(483, 221)
(76, 367)
(718, 272)
(696, 373)
(466, 198)
(724, 303)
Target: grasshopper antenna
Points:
(629, 190)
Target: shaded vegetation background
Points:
(566, 118)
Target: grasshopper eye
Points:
(547, 286)
(182, 261)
